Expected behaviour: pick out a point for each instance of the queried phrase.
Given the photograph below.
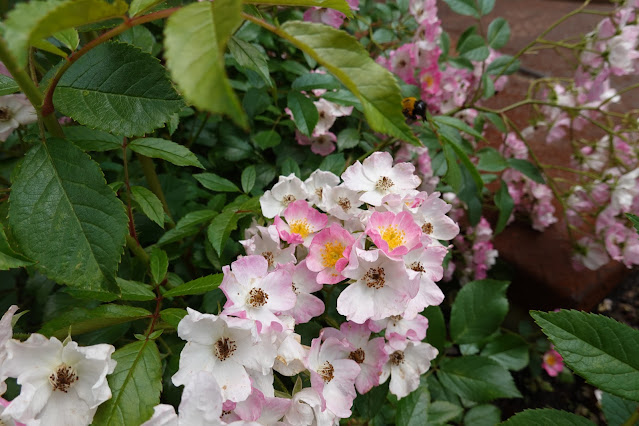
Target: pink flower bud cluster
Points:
(373, 234)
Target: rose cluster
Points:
(374, 239)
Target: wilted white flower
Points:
(15, 110)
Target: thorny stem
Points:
(156, 313)
(47, 106)
(127, 185)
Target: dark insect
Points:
(413, 108)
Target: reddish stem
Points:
(127, 185)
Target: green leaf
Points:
(634, 219)
(187, 226)
(477, 378)
(99, 295)
(33, 21)
(497, 121)
(166, 150)
(483, 415)
(314, 80)
(48, 47)
(527, 168)
(441, 412)
(135, 384)
(617, 410)
(8, 257)
(172, 316)
(340, 5)
(348, 138)
(470, 167)
(133, 290)
(92, 140)
(491, 160)
(305, 114)
(498, 33)
(82, 320)
(546, 416)
(268, 138)
(488, 86)
(69, 38)
(485, 6)
(509, 350)
(334, 163)
(444, 120)
(464, 7)
(198, 286)
(140, 37)
(117, 88)
(139, 6)
(290, 166)
(453, 174)
(149, 203)
(503, 65)
(195, 39)
(478, 310)
(474, 48)
(250, 57)
(216, 183)
(220, 230)
(436, 335)
(8, 85)
(505, 204)
(248, 178)
(347, 60)
(369, 404)
(412, 410)
(59, 195)
(599, 349)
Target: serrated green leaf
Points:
(505, 204)
(135, 384)
(33, 21)
(305, 114)
(219, 231)
(98, 295)
(441, 412)
(8, 85)
(198, 286)
(135, 291)
(477, 378)
(464, 7)
(68, 37)
(412, 410)
(473, 48)
(166, 150)
(598, 348)
(527, 168)
(82, 320)
(268, 138)
(348, 138)
(546, 416)
(290, 166)
(509, 350)
(172, 316)
(340, 5)
(491, 160)
(149, 203)
(617, 410)
(138, 36)
(140, 6)
(250, 57)
(483, 415)
(314, 80)
(59, 195)
(478, 310)
(248, 178)
(8, 257)
(498, 33)
(91, 139)
(117, 88)
(195, 39)
(503, 65)
(48, 47)
(216, 183)
(344, 57)
(159, 264)
(456, 123)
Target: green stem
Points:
(152, 180)
(199, 130)
(634, 417)
(137, 250)
(127, 185)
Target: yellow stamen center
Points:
(331, 253)
(301, 227)
(394, 237)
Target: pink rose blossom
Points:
(302, 223)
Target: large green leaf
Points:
(483, 415)
(82, 320)
(598, 348)
(133, 290)
(250, 57)
(136, 384)
(140, 6)
(197, 286)
(117, 88)
(477, 378)
(346, 59)
(442, 412)
(166, 150)
(340, 5)
(510, 350)
(478, 310)
(91, 139)
(195, 39)
(32, 21)
(617, 410)
(370, 403)
(412, 410)
(546, 416)
(64, 216)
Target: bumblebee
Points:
(413, 108)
